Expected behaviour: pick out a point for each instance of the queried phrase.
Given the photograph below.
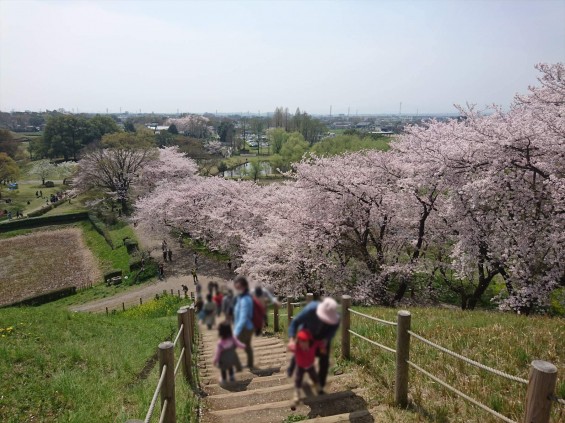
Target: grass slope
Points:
(503, 341)
(61, 366)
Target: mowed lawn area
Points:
(43, 261)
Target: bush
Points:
(130, 245)
(49, 184)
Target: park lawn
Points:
(24, 193)
(504, 341)
(77, 367)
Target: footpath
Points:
(264, 395)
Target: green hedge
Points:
(45, 298)
(101, 229)
(46, 208)
(33, 222)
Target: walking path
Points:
(264, 395)
(177, 273)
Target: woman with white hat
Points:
(322, 320)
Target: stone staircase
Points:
(265, 395)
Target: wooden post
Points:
(164, 292)
(178, 292)
(183, 320)
(289, 309)
(123, 307)
(140, 301)
(309, 298)
(172, 292)
(192, 323)
(345, 325)
(276, 317)
(106, 311)
(402, 355)
(541, 386)
(166, 357)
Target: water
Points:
(245, 170)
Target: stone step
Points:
(261, 396)
(272, 412)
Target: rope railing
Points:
(179, 362)
(461, 394)
(468, 360)
(384, 347)
(179, 333)
(163, 411)
(542, 377)
(155, 395)
(376, 319)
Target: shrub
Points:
(101, 229)
(49, 184)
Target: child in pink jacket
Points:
(226, 357)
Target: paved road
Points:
(176, 273)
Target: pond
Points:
(245, 168)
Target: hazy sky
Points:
(237, 56)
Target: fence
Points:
(540, 385)
(168, 369)
(165, 292)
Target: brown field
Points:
(43, 261)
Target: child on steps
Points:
(304, 355)
(226, 357)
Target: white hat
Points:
(327, 311)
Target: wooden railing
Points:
(185, 338)
(540, 384)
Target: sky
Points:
(240, 56)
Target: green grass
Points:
(61, 366)
(109, 259)
(25, 193)
(503, 341)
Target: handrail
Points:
(468, 360)
(163, 411)
(461, 394)
(384, 347)
(179, 360)
(155, 394)
(178, 335)
(385, 322)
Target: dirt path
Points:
(177, 273)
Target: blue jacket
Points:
(243, 313)
(307, 319)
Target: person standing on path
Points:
(209, 312)
(164, 245)
(161, 271)
(227, 305)
(266, 297)
(195, 256)
(243, 316)
(170, 254)
(194, 276)
(322, 320)
(218, 298)
(198, 289)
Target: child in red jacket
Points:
(305, 355)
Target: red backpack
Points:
(258, 315)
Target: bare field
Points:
(43, 261)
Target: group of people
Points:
(310, 333)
